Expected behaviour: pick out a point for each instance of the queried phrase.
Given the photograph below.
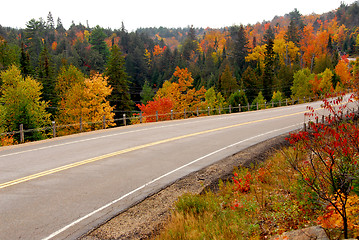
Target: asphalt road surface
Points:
(63, 187)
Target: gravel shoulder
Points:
(145, 219)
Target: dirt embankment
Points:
(148, 217)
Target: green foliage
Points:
(67, 78)
(277, 98)
(213, 99)
(9, 54)
(97, 40)
(258, 100)
(22, 103)
(268, 73)
(301, 84)
(118, 80)
(147, 93)
(46, 77)
(227, 82)
(238, 97)
(251, 83)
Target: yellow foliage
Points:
(258, 54)
(332, 218)
(87, 100)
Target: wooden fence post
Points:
(81, 127)
(22, 136)
(53, 129)
(104, 122)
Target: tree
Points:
(325, 85)
(327, 157)
(120, 97)
(8, 54)
(227, 82)
(66, 79)
(259, 101)
(181, 92)
(87, 101)
(239, 48)
(214, 100)
(252, 84)
(34, 34)
(22, 103)
(147, 93)
(45, 74)
(268, 73)
(277, 97)
(295, 27)
(25, 65)
(238, 97)
(343, 71)
(161, 107)
(302, 86)
(97, 40)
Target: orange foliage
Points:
(343, 71)
(332, 219)
(54, 46)
(181, 92)
(8, 140)
(313, 45)
(157, 50)
(214, 39)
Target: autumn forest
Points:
(49, 73)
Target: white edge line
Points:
(156, 179)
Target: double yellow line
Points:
(95, 159)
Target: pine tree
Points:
(118, 79)
(239, 49)
(98, 43)
(268, 73)
(25, 65)
(45, 74)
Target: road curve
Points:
(63, 187)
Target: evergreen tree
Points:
(295, 28)
(98, 43)
(147, 93)
(251, 83)
(45, 75)
(34, 34)
(50, 24)
(25, 65)
(227, 82)
(239, 49)
(268, 73)
(238, 97)
(118, 80)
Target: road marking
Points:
(112, 135)
(95, 159)
(159, 178)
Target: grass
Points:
(260, 202)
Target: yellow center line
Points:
(95, 159)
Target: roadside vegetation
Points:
(315, 181)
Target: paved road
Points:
(63, 187)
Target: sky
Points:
(155, 13)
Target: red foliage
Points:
(162, 106)
(242, 184)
